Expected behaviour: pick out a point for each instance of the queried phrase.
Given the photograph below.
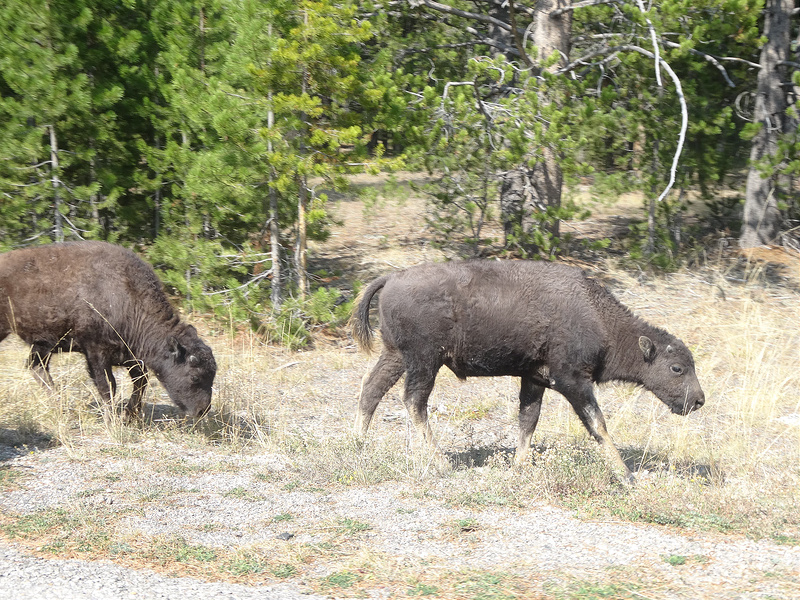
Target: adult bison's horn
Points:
(193, 360)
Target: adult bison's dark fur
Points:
(103, 301)
(547, 323)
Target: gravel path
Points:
(536, 541)
(25, 577)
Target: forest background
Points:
(209, 134)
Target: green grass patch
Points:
(785, 540)
(339, 580)
(422, 589)
(586, 590)
(467, 525)
(38, 523)
(179, 550)
(284, 571)
(242, 493)
(283, 517)
(9, 478)
(487, 586)
(245, 563)
(347, 526)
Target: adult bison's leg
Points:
(530, 404)
(581, 397)
(419, 384)
(374, 386)
(39, 363)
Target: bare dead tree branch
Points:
(465, 14)
(582, 4)
(610, 52)
(708, 57)
(654, 41)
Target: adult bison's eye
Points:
(677, 369)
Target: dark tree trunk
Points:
(762, 219)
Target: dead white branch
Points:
(654, 40)
(610, 52)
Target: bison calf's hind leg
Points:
(374, 386)
(419, 385)
(530, 405)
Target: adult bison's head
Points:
(669, 373)
(187, 372)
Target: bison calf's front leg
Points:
(39, 363)
(133, 407)
(530, 405)
(587, 409)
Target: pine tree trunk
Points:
(762, 219)
(302, 197)
(275, 250)
(58, 225)
(551, 34)
(300, 246)
(274, 232)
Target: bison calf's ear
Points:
(176, 349)
(648, 348)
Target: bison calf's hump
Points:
(103, 301)
(547, 323)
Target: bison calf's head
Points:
(188, 372)
(669, 373)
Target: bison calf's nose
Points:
(700, 401)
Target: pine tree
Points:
(44, 104)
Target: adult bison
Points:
(103, 301)
(547, 323)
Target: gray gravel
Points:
(24, 577)
(538, 540)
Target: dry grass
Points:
(733, 466)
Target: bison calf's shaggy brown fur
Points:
(103, 301)
(547, 323)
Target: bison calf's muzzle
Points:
(548, 324)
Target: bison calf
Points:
(103, 301)
(547, 323)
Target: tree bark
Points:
(58, 225)
(274, 232)
(762, 219)
(551, 34)
(300, 253)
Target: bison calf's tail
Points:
(359, 322)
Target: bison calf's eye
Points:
(677, 369)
